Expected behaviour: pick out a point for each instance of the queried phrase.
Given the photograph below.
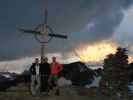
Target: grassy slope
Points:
(21, 93)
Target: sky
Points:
(89, 24)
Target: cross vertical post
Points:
(44, 30)
(42, 52)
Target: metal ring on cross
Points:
(43, 38)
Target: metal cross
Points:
(43, 32)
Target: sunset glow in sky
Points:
(95, 52)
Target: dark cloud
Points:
(65, 16)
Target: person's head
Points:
(53, 59)
(45, 60)
(36, 60)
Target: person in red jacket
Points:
(56, 67)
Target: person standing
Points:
(56, 67)
(35, 78)
(44, 74)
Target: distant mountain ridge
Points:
(78, 73)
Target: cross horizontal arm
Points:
(39, 33)
(30, 31)
(58, 35)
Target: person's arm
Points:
(49, 69)
(60, 66)
(31, 69)
(40, 68)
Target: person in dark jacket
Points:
(44, 73)
(35, 77)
